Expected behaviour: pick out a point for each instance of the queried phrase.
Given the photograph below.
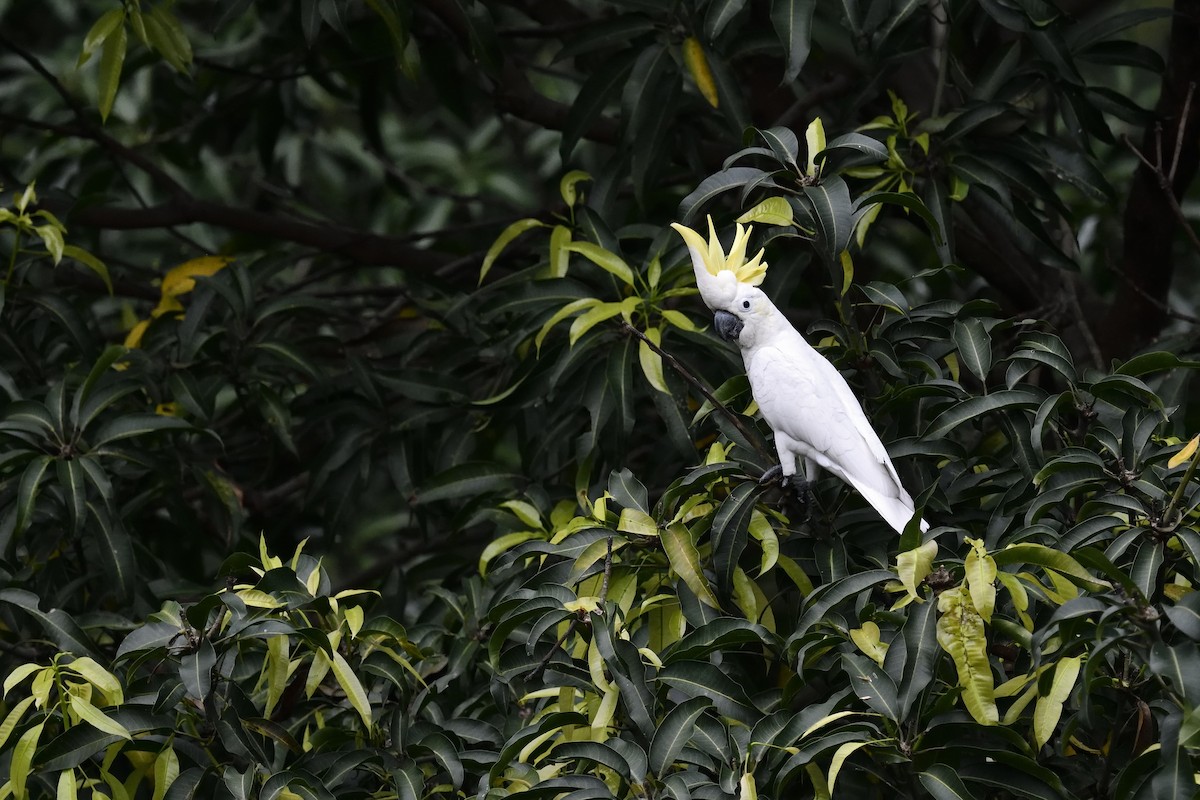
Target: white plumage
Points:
(816, 418)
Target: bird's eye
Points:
(745, 304)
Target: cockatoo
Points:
(805, 400)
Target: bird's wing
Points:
(803, 395)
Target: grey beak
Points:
(728, 325)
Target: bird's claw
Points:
(771, 474)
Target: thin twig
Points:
(1165, 183)
(1187, 104)
(699, 386)
(607, 573)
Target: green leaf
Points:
(834, 215)
(730, 527)
(699, 679)
(60, 628)
(872, 685)
(792, 20)
(195, 670)
(506, 238)
(132, 425)
(1185, 615)
(821, 602)
(112, 58)
(116, 551)
(466, 480)
(784, 145)
(99, 32)
(27, 490)
(912, 666)
(673, 733)
(685, 561)
(975, 407)
(1042, 556)
(943, 783)
(909, 201)
(720, 12)
(594, 95)
(713, 185)
(607, 261)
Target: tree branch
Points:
(1169, 155)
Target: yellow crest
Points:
(715, 259)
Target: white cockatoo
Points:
(805, 400)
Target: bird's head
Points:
(728, 282)
(747, 318)
(718, 274)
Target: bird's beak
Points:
(728, 326)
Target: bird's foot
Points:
(771, 475)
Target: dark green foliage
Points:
(362, 434)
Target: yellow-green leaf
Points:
(913, 566)
(101, 30)
(19, 674)
(609, 262)
(814, 139)
(574, 307)
(685, 561)
(764, 533)
(867, 640)
(13, 719)
(651, 362)
(501, 544)
(275, 670)
(352, 687)
(1049, 708)
(96, 718)
(960, 632)
(524, 511)
(68, 788)
(747, 790)
(112, 59)
(590, 319)
(91, 262)
(99, 677)
(839, 759)
(679, 320)
(637, 522)
(560, 257)
(566, 186)
(22, 760)
(504, 240)
(166, 770)
(1185, 454)
(179, 46)
(772, 211)
(847, 271)
(980, 569)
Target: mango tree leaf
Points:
(699, 679)
(792, 20)
(685, 561)
(833, 213)
(975, 407)
(112, 58)
(673, 733)
(59, 627)
(713, 185)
